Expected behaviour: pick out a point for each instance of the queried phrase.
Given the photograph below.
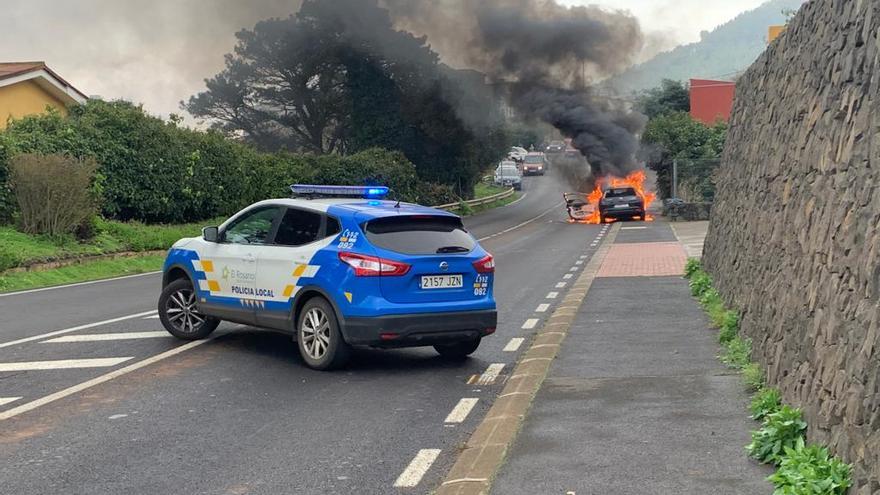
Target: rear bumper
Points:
(419, 329)
(622, 212)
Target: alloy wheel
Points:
(182, 312)
(315, 333)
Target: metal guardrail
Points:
(479, 201)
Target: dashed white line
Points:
(412, 475)
(7, 400)
(579, 262)
(461, 410)
(552, 295)
(100, 337)
(542, 308)
(583, 257)
(514, 344)
(74, 329)
(560, 285)
(574, 269)
(567, 276)
(530, 324)
(491, 374)
(63, 364)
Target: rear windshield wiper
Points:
(452, 249)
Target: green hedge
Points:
(158, 172)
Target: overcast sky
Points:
(158, 52)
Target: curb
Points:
(61, 263)
(486, 449)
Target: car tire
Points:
(602, 219)
(179, 312)
(318, 336)
(459, 350)
(642, 217)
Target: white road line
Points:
(461, 411)
(560, 285)
(520, 225)
(412, 475)
(154, 317)
(633, 228)
(514, 344)
(517, 201)
(488, 377)
(530, 324)
(31, 291)
(542, 308)
(567, 276)
(574, 269)
(552, 295)
(583, 256)
(74, 329)
(30, 406)
(100, 337)
(64, 364)
(579, 262)
(7, 400)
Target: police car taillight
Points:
(485, 265)
(372, 266)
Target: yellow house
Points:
(26, 88)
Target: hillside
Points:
(722, 53)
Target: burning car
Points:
(621, 202)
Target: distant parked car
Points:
(535, 164)
(517, 153)
(621, 202)
(508, 175)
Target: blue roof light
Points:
(368, 192)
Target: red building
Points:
(711, 101)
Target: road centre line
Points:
(514, 344)
(552, 295)
(412, 475)
(63, 364)
(511, 229)
(530, 324)
(78, 284)
(100, 337)
(542, 308)
(74, 329)
(29, 406)
(7, 400)
(461, 410)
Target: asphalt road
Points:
(240, 413)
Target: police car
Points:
(336, 266)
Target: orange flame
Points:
(636, 180)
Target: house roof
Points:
(15, 72)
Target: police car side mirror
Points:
(211, 234)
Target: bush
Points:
(780, 430)
(810, 470)
(55, 193)
(766, 402)
(700, 283)
(692, 266)
(737, 353)
(7, 201)
(729, 326)
(753, 376)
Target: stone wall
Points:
(794, 240)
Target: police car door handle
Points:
(249, 258)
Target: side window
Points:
(252, 228)
(333, 227)
(298, 227)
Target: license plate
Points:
(442, 282)
(621, 206)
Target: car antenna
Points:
(397, 197)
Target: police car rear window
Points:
(420, 234)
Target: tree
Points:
(338, 78)
(676, 136)
(670, 96)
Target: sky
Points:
(158, 52)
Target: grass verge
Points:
(781, 440)
(81, 272)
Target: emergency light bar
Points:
(368, 192)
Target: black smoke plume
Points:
(545, 55)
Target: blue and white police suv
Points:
(336, 266)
